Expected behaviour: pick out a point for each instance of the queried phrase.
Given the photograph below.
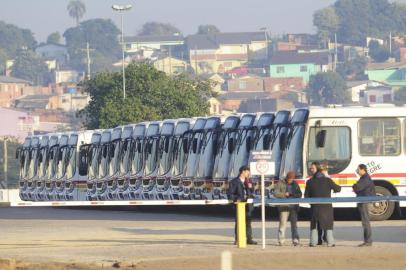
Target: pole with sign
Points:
(261, 165)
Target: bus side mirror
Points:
(166, 146)
(249, 143)
(266, 141)
(194, 145)
(17, 153)
(282, 141)
(104, 151)
(321, 138)
(230, 145)
(83, 164)
(185, 145)
(149, 147)
(139, 149)
(51, 155)
(112, 148)
(125, 145)
(40, 156)
(60, 154)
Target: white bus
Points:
(344, 137)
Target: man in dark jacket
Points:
(288, 188)
(320, 186)
(240, 190)
(364, 187)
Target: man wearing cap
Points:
(240, 190)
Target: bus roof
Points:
(357, 111)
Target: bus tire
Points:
(380, 211)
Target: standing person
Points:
(320, 186)
(240, 189)
(322, 235)
(288, 188)
(364, 187)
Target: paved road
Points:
(83, 235)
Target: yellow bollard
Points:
(241, 226)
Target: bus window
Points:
(336, 151)
(379, 137)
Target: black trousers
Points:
(249, 209)
(366, 225)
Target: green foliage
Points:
(54, 38)
(13, 38)
(353, 69)
(12, 162)
(400, 96)
(327, 23)
(102, 37)
(207, 29)
(150, 95)
(359, 19)
(158, 29)
(327, 88)
(28, 66)
(378, 52)
(3, 59)
(76, 9)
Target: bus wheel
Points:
(379, 211)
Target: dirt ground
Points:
(76, 239)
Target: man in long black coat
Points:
(320, 186)
(239, 190)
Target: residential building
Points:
(393, 74)
(217, 80)
(231, 101)
(355, 88)
(215, 106)
(67, 76)
(376, 95)
(221, 52)
(10, 89)
(246, 84)
(172, 44)
(37, 102)
(72, 102)
(283, 84)
(267, 104)
(295, 64)
(18, 124)
(171, 65)
(58, 52)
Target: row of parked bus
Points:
(165, 160)
(190, 159)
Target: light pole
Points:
(265, 29)
(122, 9)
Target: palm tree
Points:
(76, 9)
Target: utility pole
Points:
(196, 61)
(390, 44)
(122, 9)
(88, 60)
(4, 182)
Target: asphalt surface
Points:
(107, 235)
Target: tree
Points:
(327, 88)
(353, 69)
(400, 96)
(359, 19)
(28, 66)
(13, 38)
(327, 23)
(101, 34)
(150, 95)
(54, 38)
(76, 9)
(158, 29)
(207, 29)
(378, 52)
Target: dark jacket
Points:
(364, 187)
(239, 191)
(280, 192)
(320, 186)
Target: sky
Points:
(43, 17)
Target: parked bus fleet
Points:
(193, 159)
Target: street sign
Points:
(262, 167)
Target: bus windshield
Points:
(61, 161)
(221, 164)
(293, 156)
(125, 157)
(115, 148)
(179, 156)
(43, 161)
(194, 153)
(104, 160)
(32, 162)
(136, 155)
(205, 151)
(151, 154)
(53, 155)
(71, 166)
(95, 152)
(166, 153)
(241, 154)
